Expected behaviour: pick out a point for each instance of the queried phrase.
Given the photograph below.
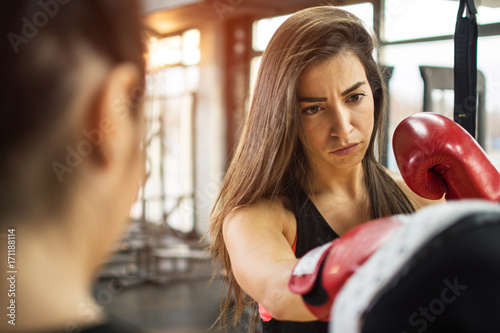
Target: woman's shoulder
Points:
(268, 213)
(266, 206)
(417, 200)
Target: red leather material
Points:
(353, 249)
(337, 261)
(436, 156)
(305, 272)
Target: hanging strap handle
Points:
(465, 70)
(471, 8)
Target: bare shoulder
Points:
(271, 215)
(265, 209)
(418, 201)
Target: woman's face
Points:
(337, 111)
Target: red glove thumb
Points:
(321, 273)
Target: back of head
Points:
(39, 61)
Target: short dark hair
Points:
(38, 55)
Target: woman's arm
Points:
(262, 258)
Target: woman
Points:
(305, 170)
(71, 126)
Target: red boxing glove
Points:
(436, 156)
(306, 280)
(320, 274)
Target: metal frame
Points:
(442, 78)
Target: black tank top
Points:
(312, 231)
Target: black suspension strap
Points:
(465, 70)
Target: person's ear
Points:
(116, 118)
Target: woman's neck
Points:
(344, 189)
(347, 183)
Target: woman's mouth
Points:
(346, 150)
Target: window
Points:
(264, 29)
(412, 19)
(420, 33)
(167, 196)
(424, 20)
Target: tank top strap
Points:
(312, 231)
(312, 228)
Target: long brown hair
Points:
(269, 156)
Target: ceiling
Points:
(167, 16)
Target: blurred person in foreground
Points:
(71, 124)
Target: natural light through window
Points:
(411, 19)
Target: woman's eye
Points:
(356, 97)
(312, 109)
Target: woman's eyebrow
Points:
(312, 99)
(324, 99)
(354, 87)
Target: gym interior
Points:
(202, 60)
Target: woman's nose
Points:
(340, 125)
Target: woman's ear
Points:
(116, 116)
